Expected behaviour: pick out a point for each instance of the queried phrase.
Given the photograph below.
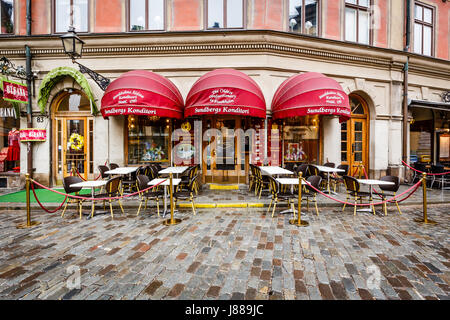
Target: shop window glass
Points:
(146, 15)
(357, 21)
(9, 140)
(303, 16)
(423, 29)
(148, 140)
(74, 101)
(71, 13)
(225, 14)
(301, 140)
(7, 16)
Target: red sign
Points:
(14, 91)
(33, 135)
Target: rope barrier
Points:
(415, 187)
(95, 179)
(428, 174)
(42, 206)
(97, 199)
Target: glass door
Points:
(72, 147)
(358, 147)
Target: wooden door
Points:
(222, 159)
(73, 137)
(355, 138)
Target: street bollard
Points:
(29, 223)
(299, 222)
(425, 214)
(171, 221)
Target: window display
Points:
(301, 140)
(9, 144)
(148, 139)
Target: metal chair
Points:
(67, 181)
(310, 195)
(113, 166)
(186, 195)
(278, 195)
(392, 188)
(421, 167)
(102, 170)
(152, 194)
(337, 178)
(353, 187)
(130, 182)
(112, 189)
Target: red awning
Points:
(141, 92)
(225, 91)
(309, 94)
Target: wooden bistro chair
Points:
(67, 181)
(391, 188)
(278, 195)
(186, 194)
(310, 195)
(112, 189)
(353, 190)
(152, 194)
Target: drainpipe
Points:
(30, 101)
(405, 83)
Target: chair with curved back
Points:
(152, 194)
(278, 194)
(67, 181)
(310, 195)
(112, 189)
(130, 182)
(337, 178)
(102, 169)
(312, 171)
(420, 167)
(186, 194)
(391, 188)
(113, 166)
(353, 190)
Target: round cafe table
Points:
(370, 183)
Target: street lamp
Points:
(73, 47)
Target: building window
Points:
(71, 13)
(146, 15)
(223, 14)
(423, 29)
(357, 21)
(148, 139)
(301, 140)
(7, 16)
(303, 16)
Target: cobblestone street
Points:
(226, 253)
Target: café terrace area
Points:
(228, 244)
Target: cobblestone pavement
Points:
(226, 254)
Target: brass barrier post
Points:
(425, 216)
(299, 222)
(29, 223)
(171, 221)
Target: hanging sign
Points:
(15, 91)
(33, 135)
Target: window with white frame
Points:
(7, 16)
(423, 29)
(303, 16)
(225, 14)
(357, 21)
(71, 13)
(146, 15)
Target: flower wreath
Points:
(76, 141)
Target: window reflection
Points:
(146, 15)
(71, 13)
(7, 16)
(234, 17)
(303, 15)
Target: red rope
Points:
(95, 179)
(428, 174)
(40, 204)
(416, 186)
(96, 199)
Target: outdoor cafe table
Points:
(166, 183)
(274, 170)
(370, 183)
(175, 170)
(92, 185)
(328, 170)
(122, 170)
(291, 182)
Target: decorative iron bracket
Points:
(101, 81)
